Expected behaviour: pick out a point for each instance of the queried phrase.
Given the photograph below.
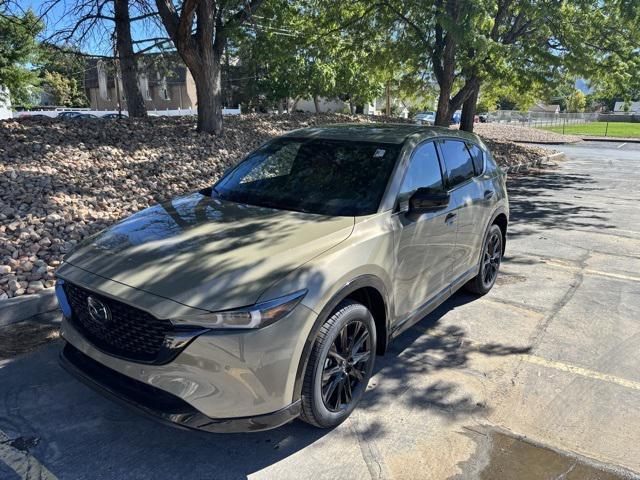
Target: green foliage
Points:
(297, 49)
(18, 51)
(62, 74)
(64, 90)
(576, 101)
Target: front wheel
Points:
(340, 365)
(489, 263)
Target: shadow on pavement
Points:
(533, 203)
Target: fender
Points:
(350, 287)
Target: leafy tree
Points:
(577, 101)
(18, 50)
(525, 44)
(62, 75)
(200, 30)
(296, 49)
(64, 90)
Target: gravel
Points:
(515, 133)
(61, 181)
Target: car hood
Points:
(207, 253)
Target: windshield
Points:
(328, 177)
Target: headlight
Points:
(256, 316)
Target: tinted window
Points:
(329, 177)
(458, 162)
(477, 156)
(423, 171)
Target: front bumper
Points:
(221, 375)
(162, 405)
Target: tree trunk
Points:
(352, 107)
(469, 110)
(294, 105)
(209, 97)
(128, 66)
(316, 103)
(280, 106)
(443, 115)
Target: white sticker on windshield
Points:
(379, 153)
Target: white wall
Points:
(100, 113)
(307, 105)
(5, 103)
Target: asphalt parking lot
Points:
(541, 375)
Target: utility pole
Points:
(388, 92)
(117, 75)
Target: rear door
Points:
(468, 198)
(423, 243)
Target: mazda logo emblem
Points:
(98, 311)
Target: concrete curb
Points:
(538, 162)
(563, 142)
(611, 139)
(21, 308)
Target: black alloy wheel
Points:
(345, 366)
(340, 365)
(491, 259)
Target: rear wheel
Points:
(489, 264)
(340, 365)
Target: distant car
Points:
(34, 115)
(425, 118)
(457, 115)
(115, 116)
(68, 114)
(85, 116)
(483, 117)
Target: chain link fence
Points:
(540, 119)
(586, 124)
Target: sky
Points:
(57, 16)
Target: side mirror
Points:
(424, 200)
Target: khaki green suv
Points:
(267, 296)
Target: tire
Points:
(489, 262)
(328, 380)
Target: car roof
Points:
(378, 132)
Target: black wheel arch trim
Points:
(357, 283)
(501, 210)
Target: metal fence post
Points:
(606, 129)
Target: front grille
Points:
(129, 333)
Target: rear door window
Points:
(458, 162)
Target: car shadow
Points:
(77, 433)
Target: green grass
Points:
(597, 129)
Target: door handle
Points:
(450, 216)
(488, 194)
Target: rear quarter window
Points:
(477, 156)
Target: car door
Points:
(468, 199)
(423, 243)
